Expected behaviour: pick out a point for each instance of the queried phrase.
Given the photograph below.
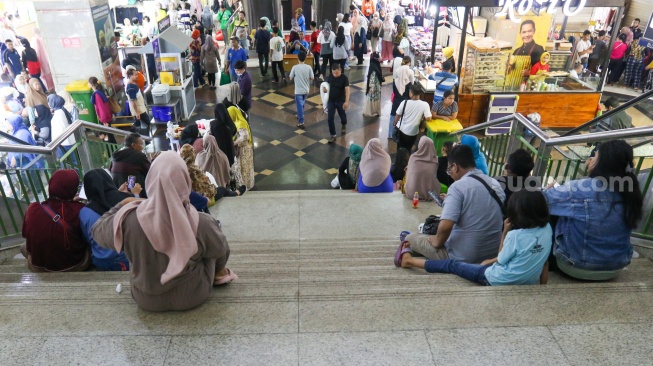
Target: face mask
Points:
(238, 73)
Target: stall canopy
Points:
(171, 40)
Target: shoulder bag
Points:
(492, 193)
(114, 105)
(397, 131)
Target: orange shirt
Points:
(539, 67)
(368, 8)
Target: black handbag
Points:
(397, 131)
(430, 226)
(368, 36)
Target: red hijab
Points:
(51, 247)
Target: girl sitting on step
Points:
(524, 248)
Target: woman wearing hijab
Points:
(340, 48)
(348, 31)
(18, 130)
(375, 27)
(70, 105)
(210, 59)
(223, 129)
(39, 113)
(268, 25)
(422, 170)
(349, 169)
(39, 47)
(542, 66)
(191, 135)
(200, 181)
(214, 161)
(326, 39)
(374, 169)
(31, 62)
(103, 195)
(244, 147)
(61, 120)
(373, 91)
(629, 34)
(386, 40)
(447, 52)
(56, 246)
(360, 40)
(479, 158)
(402, 31)
(176, 254)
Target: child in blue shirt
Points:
(524, 248)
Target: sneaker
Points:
(332, 139)
(301, 126)
(321, 78)
(347, 68)
(344, 129)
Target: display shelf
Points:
(559, 60)
(484, 71)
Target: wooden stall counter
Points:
(291, 60)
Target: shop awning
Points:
(172, 40)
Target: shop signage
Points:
(71, 42)
(515, 8)
(164, 24)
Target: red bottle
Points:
(415, 200)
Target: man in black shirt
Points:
(599, 53)
(262, 41)
(338, 100)
(634, 26)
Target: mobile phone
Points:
(436, 198)
(131, 181)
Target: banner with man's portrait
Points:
(529, 47)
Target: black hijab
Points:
(189, 134)
(223, 129)
(101, 191)
(340, 36)
(374, 70)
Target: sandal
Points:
(404, 247)
(222, 280)
(403, 235)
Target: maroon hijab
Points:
(51, 247)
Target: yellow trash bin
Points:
(438, 130)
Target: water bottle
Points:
(415, 199)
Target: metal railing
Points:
(27, 182)
(551, 162)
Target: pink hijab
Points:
(375, 163)
(421, 173)
(629, 34)
(168, 219)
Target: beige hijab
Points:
(168, 219)
(422, 171)
(375, 163)
(404, 77)
(35, 97)
(211, 159)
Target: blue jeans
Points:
(332, 107)
(197, 75)
(300, 99)
(391, 126)
(72, 158)
(472, 272)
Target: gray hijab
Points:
(327, 29)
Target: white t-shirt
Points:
(415, 110)
(59, 125)
(582, 46)
(276, 45)
(347, 27)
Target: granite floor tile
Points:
(112, 350)
(255, 350)
(361, 349)
(493, 346)
(20, 350)
(606, 344)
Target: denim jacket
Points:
(591, 232)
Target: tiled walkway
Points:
(286, 157)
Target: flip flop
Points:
(403, 235)
(403, 248)
(229, 277)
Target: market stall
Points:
(170, 51)
(522, 53)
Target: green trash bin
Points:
(81, 93)
(438, 130)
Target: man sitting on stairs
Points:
(471, 220)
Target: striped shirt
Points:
(447, 84)
(441, 110)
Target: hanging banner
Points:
(529, 47)
(513, 9)
(108, 46)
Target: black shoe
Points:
(332, 139)
(344, 129)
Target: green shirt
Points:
(223, 18)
